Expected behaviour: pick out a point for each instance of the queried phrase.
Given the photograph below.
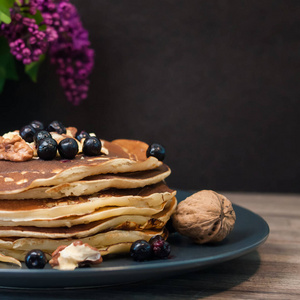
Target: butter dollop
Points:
(69, 257)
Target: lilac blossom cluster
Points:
(27, 42)
(64, 39)
(70, 52)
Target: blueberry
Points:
(140, 250)
(156, 238)
(160, 248)
(82, 135)
(56, 126)
(92, 146)
(37, 125)
(47, 149)
(157, 151)
(35, 259)
(41, 135)
(27, 132)
(68, 148)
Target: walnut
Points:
(206, 216)
(71, 131)
(77, 253)
(14, 148)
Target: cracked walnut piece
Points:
(14, 148)
(206, 216)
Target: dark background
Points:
(215, 82)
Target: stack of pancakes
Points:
(108, 201)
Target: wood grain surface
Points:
(271, 272)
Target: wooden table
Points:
(271, 272)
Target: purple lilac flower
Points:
(70, 52)
(27, 42)
(65, 39)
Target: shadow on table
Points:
(195, 285)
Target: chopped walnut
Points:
(14, 148)
(71, 131)
(77, 253)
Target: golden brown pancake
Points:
(93, 184)
(71, 211)
(119, 222)
(17, 177)
(108, 201)
(99, 241)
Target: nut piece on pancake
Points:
(206, 216)
(14, 148)
(70, 257)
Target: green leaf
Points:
(2, 82)
(7, 62)
(11, 70)
(37, 17)
(3, 45)
(32, 69)
(5, 17)
(43, 27)
(5, 5)
(2, 72)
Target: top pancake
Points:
(93, 184)
(123, 156)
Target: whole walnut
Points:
(206, 216)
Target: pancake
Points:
(123, 156)
(119, 248)
(93, 184)
(65, 211)
(100, 182)
(120, 222)
(99, 241)
(107, 201)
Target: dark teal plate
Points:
(249, 232)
